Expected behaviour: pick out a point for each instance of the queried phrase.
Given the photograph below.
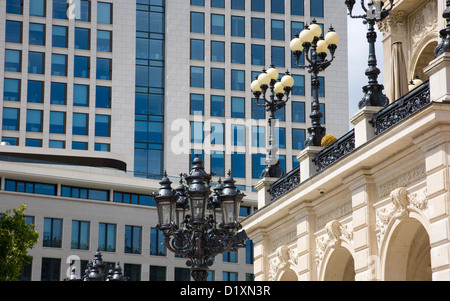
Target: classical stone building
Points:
(375, 204)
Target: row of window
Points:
(276, 6)
(79, 10)
(216, 135)
(107, 236)
(277, 27)
(36, 64)
(238, 161)
(51, 269)
(78, 192)
(58, 93)
(238, 56)
(217, 108)
(57, 122)
(37, 36)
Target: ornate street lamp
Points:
(315, 48)
(374, 12)
(97, 270)
(444, 45)
(279, 96)
(198, 224)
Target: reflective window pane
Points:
(104, 40)
(80, 124)
(60, 9)
(37, 8)
(197, 22)
(37, 34)
(35, 91)
(103, 68)
(34, 121)
(80, 95)
(11, 89)
(238, 165)
(102, 97)
(104, 13)
(57, 122)
(59, 64)
(217, 51)
(36, 62)
(102, 125)
(82, 38)
(238, 107)
(298, 139)
(13, 60)
(13, 31)
(217, 105)
(237, 26)
(10, 119)
(217, 78)
(59, 36)
(217, 24)
(197, 49)
(14, 7)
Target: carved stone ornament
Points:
(333, 239)
(395, 23)
(284, 259)
(401, 200)
(423, 22)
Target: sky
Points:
(358, 53)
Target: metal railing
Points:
(402, 108)
(285, 184)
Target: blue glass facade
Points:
(149, 106)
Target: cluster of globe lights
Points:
(309, 35)
(301, 42)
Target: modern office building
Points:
(98, 98)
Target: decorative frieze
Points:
(404, 180)
(284, 240)
(335, 214)
(423, 22)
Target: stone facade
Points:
(381, 211)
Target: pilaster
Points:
(363, 189)
(261, 251)
(437, 167)
(306, 267)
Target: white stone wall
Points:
(379, 213)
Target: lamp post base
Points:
(373, 96)
(315, 135)
(272, 171)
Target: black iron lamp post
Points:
(98, 270)
(197, 223)
(315, 48)
(279, 96)
(373, 12)
(444, 45)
